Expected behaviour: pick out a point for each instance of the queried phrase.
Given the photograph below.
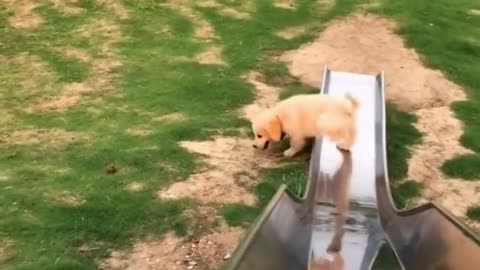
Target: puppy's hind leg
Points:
(296, 144)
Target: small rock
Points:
(192, 263)
(111, 169)
(227, 256)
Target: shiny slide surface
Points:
(347, 212)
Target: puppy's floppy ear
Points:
(274, 129)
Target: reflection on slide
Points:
(334, 189)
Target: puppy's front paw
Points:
(343, 147)
(289, 152)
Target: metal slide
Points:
(347, 212)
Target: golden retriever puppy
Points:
(304, 116)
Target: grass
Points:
(465, 167)
(155, 80)
(292, 175)
(474, 213)
(400, 135)
(386, 260)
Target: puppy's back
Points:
(317, 103)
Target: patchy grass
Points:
(450, 41)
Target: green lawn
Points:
(58, 191)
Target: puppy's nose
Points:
(254, 146)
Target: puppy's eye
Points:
(259, 136)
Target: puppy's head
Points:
(266, 127)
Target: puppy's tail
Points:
(352, 100)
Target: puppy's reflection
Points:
(335, 262)
(337, 191)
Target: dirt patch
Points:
(171, 118)
(265, 95)
(227, 158)
(68, 98)
(44, 137)
(135, 186)
(7, 249)
(475, 12)
(208, 4)
(55, 104)
(33, 73)
(367, 44)
(24, 15)
(140, 131)
(116, 7)
(287, 4)
(162, 254)
(234, 13)
(68, 198)
(212, 56)
(291, 32)
(76, 53)
(172, 253)
(67, 6)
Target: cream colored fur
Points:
(304, 116)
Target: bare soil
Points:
(68, 198)
(287, 4)
(234, 13)
(171, 252)
(171, 118)
(76, 53)
(68, 6)
(7, 249)
(135, 186)
(212, 56)
(116, 7)
(475, 12)
(368, 44)
(23, 16)
(291, 32)
(228, 159)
